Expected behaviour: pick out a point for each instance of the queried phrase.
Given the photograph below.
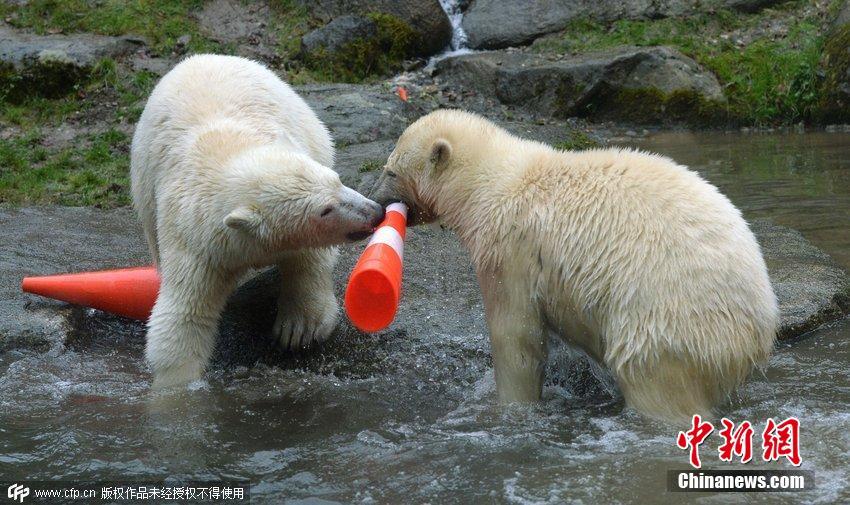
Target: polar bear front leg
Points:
(184, 322)
(307, 310)
(517, 338)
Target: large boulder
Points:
(810, 287)
(339, 33)
(52, 65)
(352, 47)
(357, 113)
(426, 18)
(495, 24)
(835, 91)
(637, 84)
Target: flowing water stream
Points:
(427, 429)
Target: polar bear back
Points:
(206, 88)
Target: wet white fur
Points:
(632, 257)
(222, 139)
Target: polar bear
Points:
(230, 171)
(629, 256)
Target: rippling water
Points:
(428, 430)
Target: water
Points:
(458, 44)
(455, 13)
(420, 423)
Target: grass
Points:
(576, 140)
(160, 22)
(92, 174)
(370, 166)
(767, 81)
(94, 169)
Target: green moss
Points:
(92, 172)
(365, 58)
(650, 105)
(161, 22)
(767, 81)
(834, 104)
(370, 166)
(576, 140)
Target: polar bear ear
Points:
(243, 218)
(441, 151)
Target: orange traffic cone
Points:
(374, 288)
(129, 292)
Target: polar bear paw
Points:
(306, 323)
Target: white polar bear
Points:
(635, 259)
(230, 171)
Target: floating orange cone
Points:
(129, 292)
(374, 288)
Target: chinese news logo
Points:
(778, 440)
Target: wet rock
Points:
(337, 34)
(425, 17)
(359, 113)
(496, 24)
(47, 240)
(52, 65)
(810, 287)
(441, 298)
(835, 61)
(638, 84)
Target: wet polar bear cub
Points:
(230, 171)
(633, 258)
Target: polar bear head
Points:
(428, 166)
(284, 200)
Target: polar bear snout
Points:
(355, 215)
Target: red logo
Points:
(778, 440)
(782, 439)
(693, 438)
(736, 442)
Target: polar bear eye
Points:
(327, 211)
(390, 173)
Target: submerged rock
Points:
(639, 84)
(52, 65)
(811, 288)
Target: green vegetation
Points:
(161, 22)
(370, 166)
(768, 80)
(834, 106)
(367, 58)
(576, 140)
(94, 173)
(94, 168)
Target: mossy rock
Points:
(835, 91)
(381, 44)
(52, 66)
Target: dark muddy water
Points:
(428, 430)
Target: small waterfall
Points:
(457, 46)
(455, 14)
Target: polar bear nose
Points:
(357, 214)
(377, 213)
